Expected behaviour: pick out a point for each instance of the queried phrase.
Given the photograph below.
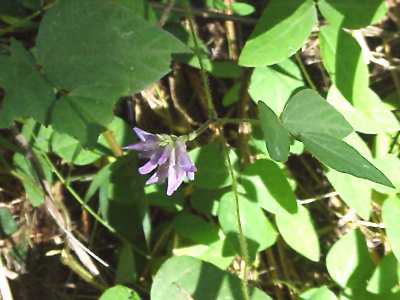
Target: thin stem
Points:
(112, 143)
(305, 72)
(220, 121)
(242, 239)
(211, 109)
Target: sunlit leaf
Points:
(184, 278)
(299, 233)
(277, 35)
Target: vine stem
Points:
(212, 115)
(305, 72)
(242, 240)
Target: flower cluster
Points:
(167, 155)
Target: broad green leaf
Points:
(71, 150)
(366, 114)
(184, 278)
(390, 166)
(277, 138)
(343, 59)
(196, 229)
(254, 222)
(123, 199)
(277, 35)
(100, 43)
(386, 276)
(232, 95)
(391, 217)
(242, 9)
(119, 292)
(308, 112)
(126, 266)
(355, 192)
(353, 13)
(37, 135)
(27, 93)
(206, 201)
(274, 84)
(210, 244)
(211, 172)
(8, 226)
(219, 253)
(321, 293)
(299, 233)
(266, 184)
(348, 261)
(342, 157)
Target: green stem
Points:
(242, 240)
(212, 114)
(210, 104)
(305, 72)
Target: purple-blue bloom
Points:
(166, 155)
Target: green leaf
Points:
(343, 59)
(100, 43)
(299, 233)
(391, 217)
(253, 222)
(342, 157)
(123, 205)
(211, 172)
(242, 9)
(274, 84)
(83, 115)
(8, 226)
(308, 112)
(276, 136)
(353, 13)
(386, 276)
(390, 166)
(348, 261)
(207, 243)
(355, 192)
(184, 278)
(266, 184)
(119, 292)
(126, 267)
(27, 94)
(37, 135)
(367, 114)
(277, 35)
(196, 229)
(71, 150)
(321, 293)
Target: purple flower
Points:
(167, 155)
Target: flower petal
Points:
(144, 135)
(142, 146)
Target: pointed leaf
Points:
(253, 221)
(307, 111)
(276, 136)
(348, 261)
(266, 184)
(391, 217)
(299, 233)
(187, 278)
(27, 94)
(277, 35)
(353, 13)
(342, 157)
(102, 43)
